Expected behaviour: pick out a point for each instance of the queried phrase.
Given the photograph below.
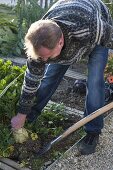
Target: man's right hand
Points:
(18, 121)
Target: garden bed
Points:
(52, 123)
(47, 127)
(24, 153)
(66, 94)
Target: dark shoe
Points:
(88, 144)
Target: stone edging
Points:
(8, 164)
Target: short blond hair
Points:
(44, 33)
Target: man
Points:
(70, 30)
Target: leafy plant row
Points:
(8, 102)
(49, 124)
(8, 72)
(14, 23)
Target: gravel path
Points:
(102, 159)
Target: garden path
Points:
(102, 159)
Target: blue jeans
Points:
(95, 97)
(95, 86)
(52, 77)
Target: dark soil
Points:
(66, 94)
(80, 66)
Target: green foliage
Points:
(8, 103)
(109, 3)
(56, 154)
(9, 100)
(27, 12)
(15, 23)
(109, 67)
(50, 122)
(6, 141)
(8, 31)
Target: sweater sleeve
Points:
(30, 85)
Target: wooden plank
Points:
(3, 166)
(12, 164)
(75, 75)
(68, 110)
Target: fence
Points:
(46, 3)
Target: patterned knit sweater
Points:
(84, 23)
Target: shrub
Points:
(109, 67)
